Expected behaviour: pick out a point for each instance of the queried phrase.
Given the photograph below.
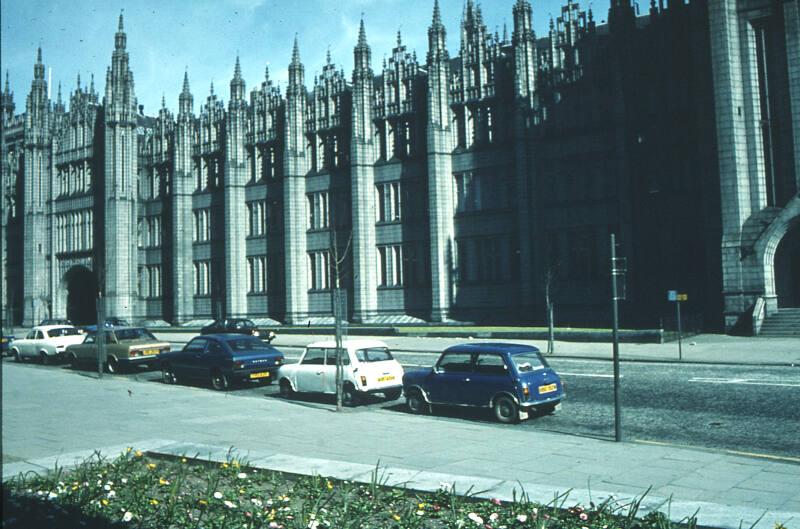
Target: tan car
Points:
(126, 347)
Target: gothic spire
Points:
(437, 15)
(237, 83)
(120, 38)
(296, 51)
(79, 81)
(362, 34)
(295, 67)
(91, 84)
(7, 89)
(237, 70)
(58, 98)
(38, 69)
(399, 39)
(163, 101)
(437, 36)
(212, 88)
(186, 82)
(39, 55)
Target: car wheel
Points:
(168, 375)
(506, 410)
(46, 361)
(393, 394)
(17, 356)
(415, 402)
(73, 361)
(349, 395)
(112, 366)
(286, 389)
(219, 381)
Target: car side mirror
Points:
(436, 369)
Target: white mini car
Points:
(368, 368)
(46, 342)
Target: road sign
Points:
(672, 295)
(683, 297)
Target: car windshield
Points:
(64, 331)
(374, 354)
(529, 362)
(134, 334)
(243, 345)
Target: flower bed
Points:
(144, 491)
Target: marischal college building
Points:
(451, 187)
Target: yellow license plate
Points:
(148, 352)
(549, 388)
(259, 375)
(386, 378)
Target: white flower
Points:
(256, 502)
(218, 495)
(313, 524)
(475, 518)
(51, 495)
(111, 494)
(493, 517)
(241, 475)
(229, 504)
(107, 487)
(127, 517)
(124, 480)
(521, 518)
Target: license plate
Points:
(259, 375)
(150, 352)
(549, 388)
(386, 378)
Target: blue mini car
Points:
(222, 359)
(511, 379)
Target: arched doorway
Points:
(787, 268)
(81, 295)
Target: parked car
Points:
(511, 379)
(237, 326)
(368, 368)
(5, 343)
(222, 359)
(46, 342)
(55, 321)
(113, 321)
(126, 347)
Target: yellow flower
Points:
(421, 506)
(241, 491)
(153, 501)
(224, 465)
(329, 485)
(151, 466)
(128, 450)
(162, 481)
(235, 464)
(138, 453)
(74, 487)
(396, 517)
(183, 460)
(202, 502)
(104, 501)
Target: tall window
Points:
(388, 201)
(483, 259)
(153, 281)
(318, 211)
(257, 218)
(257, 274)
(202, 278)
(468, 192)
(202, 225)
(319, 270)
(390, 265)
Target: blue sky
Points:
(167, 36)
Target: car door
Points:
(450, 380)
(310, 371)
(188, 362)
(25, 346)
(329, 370)
(215, 357)
(491, 375)
(85, 351)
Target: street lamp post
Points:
(618, 269)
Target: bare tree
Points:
(338, 299)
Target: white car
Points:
(46, 342)
(368, 367)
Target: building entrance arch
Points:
(81, 295)
(787, 267)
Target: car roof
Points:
(226, 336)
(492, 347)
(351, 345)
(49, 327)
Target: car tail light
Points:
(238, 364)
(363, 380)
(133, 353)
(526, 391)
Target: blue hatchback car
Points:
(511, 379)
(222, 359)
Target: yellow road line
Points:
(734, 452)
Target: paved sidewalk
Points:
(51, 414)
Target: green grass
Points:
(141, 491)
